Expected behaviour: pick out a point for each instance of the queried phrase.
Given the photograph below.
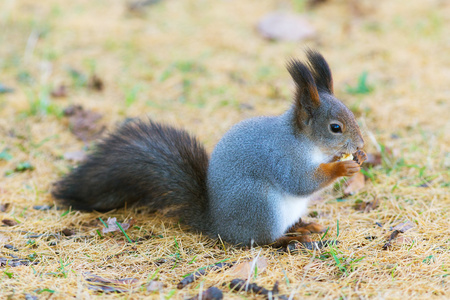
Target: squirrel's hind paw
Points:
(304, 229)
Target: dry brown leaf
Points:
(393, 235)
(59, 92)
(400, 228)
(354, 184)
(405, 226)
(84, 124)
(366, 206)
(403, 240)
(15, 262)
(285, 26)
(98, 283)
(240, 285)
(202, 271)
(68, 232)
(4, 207)
(9, 222)
(246, 268)
(95, 83)
(154, 285)
(112, 225)
(11, 247)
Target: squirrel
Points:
(258, 181)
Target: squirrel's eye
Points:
(335, 128)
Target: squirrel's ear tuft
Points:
(306, 94)
(320, 70)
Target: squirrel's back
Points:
(143, 162)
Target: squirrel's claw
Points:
(360, 157)
(303, 231)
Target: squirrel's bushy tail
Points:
(143, 162)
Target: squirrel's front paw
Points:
(348, 168)
(359, 157)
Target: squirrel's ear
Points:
(306, 94)
(320, 70)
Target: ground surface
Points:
(202, 65)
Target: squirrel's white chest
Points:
(292, 208)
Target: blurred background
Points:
(70, 71)
(224, 58)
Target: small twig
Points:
(240, 284)
(194, 276)
(16, 262)
(394, 234)
(400, 228)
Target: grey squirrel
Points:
(258, 181)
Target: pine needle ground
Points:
(202, 65)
